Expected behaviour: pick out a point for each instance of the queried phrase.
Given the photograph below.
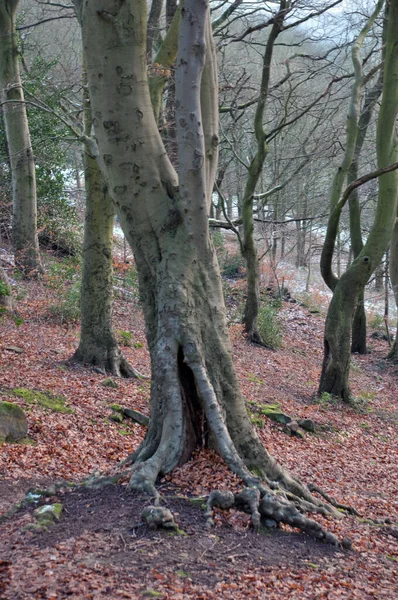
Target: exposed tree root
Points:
(269, 511)
(271, 495)
(349, 509)
(253, 337)
(114, 363)
(393, 353)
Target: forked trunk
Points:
(347, 290)
(194, 394)
(336, 360)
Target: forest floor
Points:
(99, 548)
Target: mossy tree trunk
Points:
(336, 362)
(195, 393)
(5, 291)
(394, 282)
(98, 345)
(358, 341)
(24, 226)
(255, 169)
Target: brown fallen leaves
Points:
(354, 457)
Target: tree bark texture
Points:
(98, 345)
(153, 27)
(24, 226)
(335, 369)
(358, 341)
(194, 394)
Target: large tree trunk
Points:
(25, 240)
(335, 369)
(194, 394)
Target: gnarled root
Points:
(272, 493)
(268, 508)
(348, 509)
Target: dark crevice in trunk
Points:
(196, 424)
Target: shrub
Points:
(64, 278)
(232, 266)
(376, 321)
(68, 307)
(269, 326)
(218, 240)
(125, 337)
(5, 289)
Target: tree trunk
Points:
(379, 278)
(153, 27)
(335, 369)
(394, 282)
(25, 240)
(358, 343)
(5, 291)
(98, 345)
(249, 245)
(358, 332)
(194, 393)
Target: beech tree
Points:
(24, 225)
(195, 396)
(98, 345)
(347, 289)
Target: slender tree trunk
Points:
(379, 278)
(336, 363)
(98, 345)
(249, 245)
(394, 282)
(358, 343)
(5, 291)
(25, 240)
(195, 392)
(153, 29)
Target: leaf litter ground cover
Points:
(99, 549)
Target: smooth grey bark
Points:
(24, 225)
(194, 393)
